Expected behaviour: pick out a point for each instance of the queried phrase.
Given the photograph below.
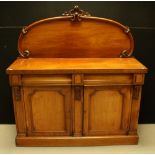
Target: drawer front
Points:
(38, 80)
(86, 79)
(108, 79)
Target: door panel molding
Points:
(62, 97)
(100, 116)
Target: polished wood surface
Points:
(70, 86)
(92, 37)
(48, 80)
(108, 79)
(76, 105)
(76, 65)
(77, 141)
(48, 110)
(107, 110)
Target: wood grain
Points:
(76, 141)
(107, 110)
(135, 112)
(48, 110)
(108, 79)
(90, 38)
(77, 65)
(46, 80)
(73, 89)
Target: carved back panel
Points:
(76, 35)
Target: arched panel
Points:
(65, 37)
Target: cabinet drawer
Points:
(38, 80)
(111, 79)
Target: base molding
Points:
(77, 141)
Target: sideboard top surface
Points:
(75, 65)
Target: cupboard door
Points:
(107, 110)
(48, 110)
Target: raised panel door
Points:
(48, 110)
(107, 110)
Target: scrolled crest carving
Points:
(125, 54)
(76, 13)
(24, 31)
(24, 54)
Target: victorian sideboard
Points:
(76, 83)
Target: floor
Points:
(146, 144)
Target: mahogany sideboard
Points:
(76, 82)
